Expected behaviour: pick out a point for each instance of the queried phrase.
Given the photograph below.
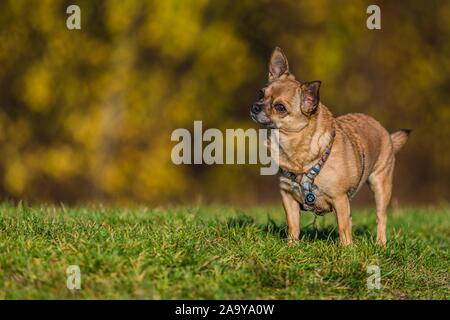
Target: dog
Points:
(324, 160)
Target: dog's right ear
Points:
(278, 64)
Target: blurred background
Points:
(86, 115)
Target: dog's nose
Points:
(256, 108)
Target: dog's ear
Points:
(310, 96)
(278, 64)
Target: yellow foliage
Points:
(16, 175)
(37, 87)
(87, 114)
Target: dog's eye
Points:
(261, 94)
(279, 107)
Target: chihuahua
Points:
(324, 161)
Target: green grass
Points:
(217, 253)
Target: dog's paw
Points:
(292, 242)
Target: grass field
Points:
(217, 253)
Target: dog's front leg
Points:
(344, 219)
(292, 210)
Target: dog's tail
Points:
(399, 138)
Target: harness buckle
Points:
(310, 198)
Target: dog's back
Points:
(369, 139)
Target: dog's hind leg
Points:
(381, 185)
(292, 209)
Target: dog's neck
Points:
(299, 151)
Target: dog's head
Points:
(284, 103)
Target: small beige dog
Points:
(325, 160)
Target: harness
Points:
(307, 187)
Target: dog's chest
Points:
(322, 204)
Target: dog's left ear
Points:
(278, 64)
(310, 96)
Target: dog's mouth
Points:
(268, 124)
(253, 116)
